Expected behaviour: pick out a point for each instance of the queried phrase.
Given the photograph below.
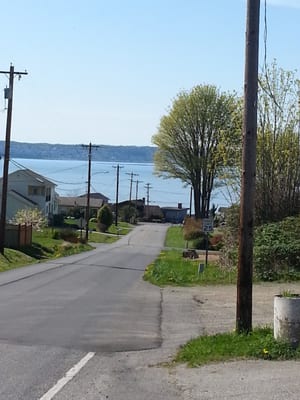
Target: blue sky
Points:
(106, 71)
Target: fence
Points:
(17, 236)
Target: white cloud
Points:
(285, 3)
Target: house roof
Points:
(155, 210)
(174, 209)
(39, 178)
(98, 196)
(78, 202)
(132, 202)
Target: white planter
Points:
(287, 319)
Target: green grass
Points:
(170, 268)
(174, 238)
(97, 237)
(14, 259)
(112, 233)
(45, 247)
(122, 229)
(259, 344)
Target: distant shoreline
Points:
(105, 153)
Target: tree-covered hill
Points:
(138, 154)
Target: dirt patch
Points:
(211, 257)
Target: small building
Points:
(175, 215)
(153, 213)
(69, 205)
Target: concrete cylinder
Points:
(287, 319)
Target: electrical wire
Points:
(267, 90)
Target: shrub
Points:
(104, 218)
(69, 235)
(216, 241)
(192, 228)
(200, 242)
(128, 213)
(277, 250)
(58, 220)
(56, 235)
(229, 248)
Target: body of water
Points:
(71, 177)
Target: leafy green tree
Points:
(198, 137)
(104, 218)
(129, 213)
(278, 145)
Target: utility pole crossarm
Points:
(15, 72)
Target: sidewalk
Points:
(209, 310)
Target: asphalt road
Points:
(55, 314)
(87, 327)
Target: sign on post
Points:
(208, 225)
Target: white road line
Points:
(69, 375)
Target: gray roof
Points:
(98, 196)
(78, 202)
(34, 175)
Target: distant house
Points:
(67, 205)
(28, 190)
(153, 213)
(175, 215)
(97, 196)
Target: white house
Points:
(26, 189)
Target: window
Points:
(48, 194)
(36, 191)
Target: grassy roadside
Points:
(258, 344)
(45, 246)
(171, 269)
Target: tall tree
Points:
(278, 145)
(197, 138)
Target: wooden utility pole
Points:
(148, 187)
(87, 212)
(131, 180)
(137, 191)
(245, 265)
(9, 96)
(117, 194)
